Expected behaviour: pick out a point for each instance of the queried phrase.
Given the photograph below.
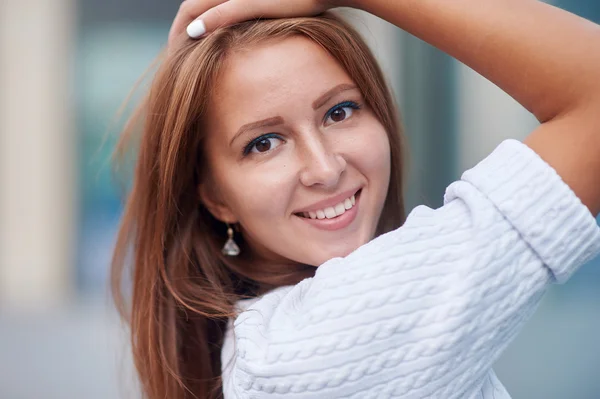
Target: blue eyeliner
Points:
(345, 104)
(254, 141)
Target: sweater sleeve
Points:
(425, 310)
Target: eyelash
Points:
(248, 147)
(252, 142)
(344, 104)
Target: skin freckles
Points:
(305, 154)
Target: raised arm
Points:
(544, 57)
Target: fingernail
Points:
(196, 29)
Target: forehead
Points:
(290, 71)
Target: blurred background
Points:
(65, 68)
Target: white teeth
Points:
(330, 213)
(347, 204)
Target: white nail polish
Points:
(196, 29)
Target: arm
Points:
(423, 311)
(546, 58)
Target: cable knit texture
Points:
(423, 311)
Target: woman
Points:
(271, 148)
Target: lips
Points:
(334, 217)
(331, 202)
(331, 212)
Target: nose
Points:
(322, 165)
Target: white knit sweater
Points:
(423, 311)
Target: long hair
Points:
(183, 288)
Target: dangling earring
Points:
(230, 248)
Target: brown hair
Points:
(184, 289)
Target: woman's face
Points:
(295, 155)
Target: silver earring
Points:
(230, 248)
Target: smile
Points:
(334, 217)
(333, 211)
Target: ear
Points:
(211, 199)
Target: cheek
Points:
(378, 159)
(260, 194)
(370, 153)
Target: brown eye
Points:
(263, 145)
(341, 112)
(338, 115)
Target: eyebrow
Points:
(269, 122)
(325, 97)
(278, 120)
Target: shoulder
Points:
(254, 312)
(363, 320)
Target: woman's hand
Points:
(201, 16)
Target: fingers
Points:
(199, 17)
(224, 14)
(188, 12)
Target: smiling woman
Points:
(285, 130)
(314, 146)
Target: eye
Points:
(341, 112)
(262, 144)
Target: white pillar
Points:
(487, 115)
(37, 153)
